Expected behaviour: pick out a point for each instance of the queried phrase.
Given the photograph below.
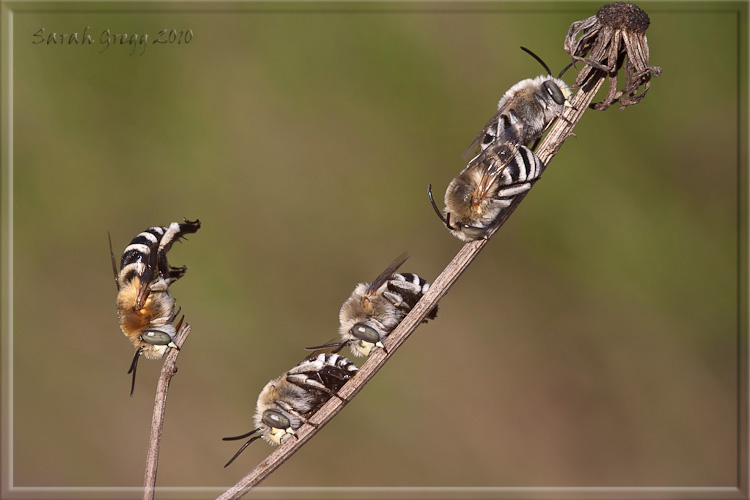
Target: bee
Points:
(145, 308)
(525, 111)
(287, 402)
(475, 199)
(374, 310)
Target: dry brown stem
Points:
(551, 144)
(160, 405)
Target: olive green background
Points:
(593, 342)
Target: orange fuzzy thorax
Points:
(156, 311)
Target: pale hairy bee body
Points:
(145, 308)
(504, 166)
(525, 111)
(287, 402)
(299, 393)
(371, 313)
(475, 199)
(157, 313)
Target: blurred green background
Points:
(592, 343)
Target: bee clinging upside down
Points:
(475, 199)
(374, 310)
(525, 111)
(145, 308)
(287, 402)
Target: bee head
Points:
(156, 341)
(275, 426)
(365, 338)
(465, 232)
(159, 337)
(557, 91)
(553, 90)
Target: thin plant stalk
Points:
(168, 369)
(558, 133)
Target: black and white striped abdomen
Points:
(519, 173)
(404, 291)
(137, 255)
(324, 371)
(415, 283)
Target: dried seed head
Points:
(613, 40)
(624, 16)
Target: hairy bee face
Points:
(475, 199)
(145, 308)
(370, 314)
(287, 402)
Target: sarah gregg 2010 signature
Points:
(106, 38)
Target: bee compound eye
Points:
(554, 92)
(473, 232)
(366, 333)
(274, 418)
(156, 337)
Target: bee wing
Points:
(385, 275)
(114, 263)
(146, 278)
(505, 125)
(492, 162)
(483, 138)
(333, 346)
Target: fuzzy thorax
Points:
(156, 313)
(372, 310)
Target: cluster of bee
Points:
(366, 319)
(145, 308)
(503, 167)
(505, 164)
(147, 312)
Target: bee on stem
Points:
(525, 111)
(145, 308)
(374, 310)
(287, 402)
(475, 199)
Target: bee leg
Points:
(306, 421)
(307, 382)
(174, 316)
(409, 292)
(565, 120)
(133, 368)
(176, 273)
(340, 398)
(179, 323)
(159, 285)
(396, 299)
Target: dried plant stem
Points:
(551, 144)
(160, 405)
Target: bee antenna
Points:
(437, 210)
(243, 436)
(133, 368)
(338, 345)
(566, 68)
(538, 59)
(243, 446)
